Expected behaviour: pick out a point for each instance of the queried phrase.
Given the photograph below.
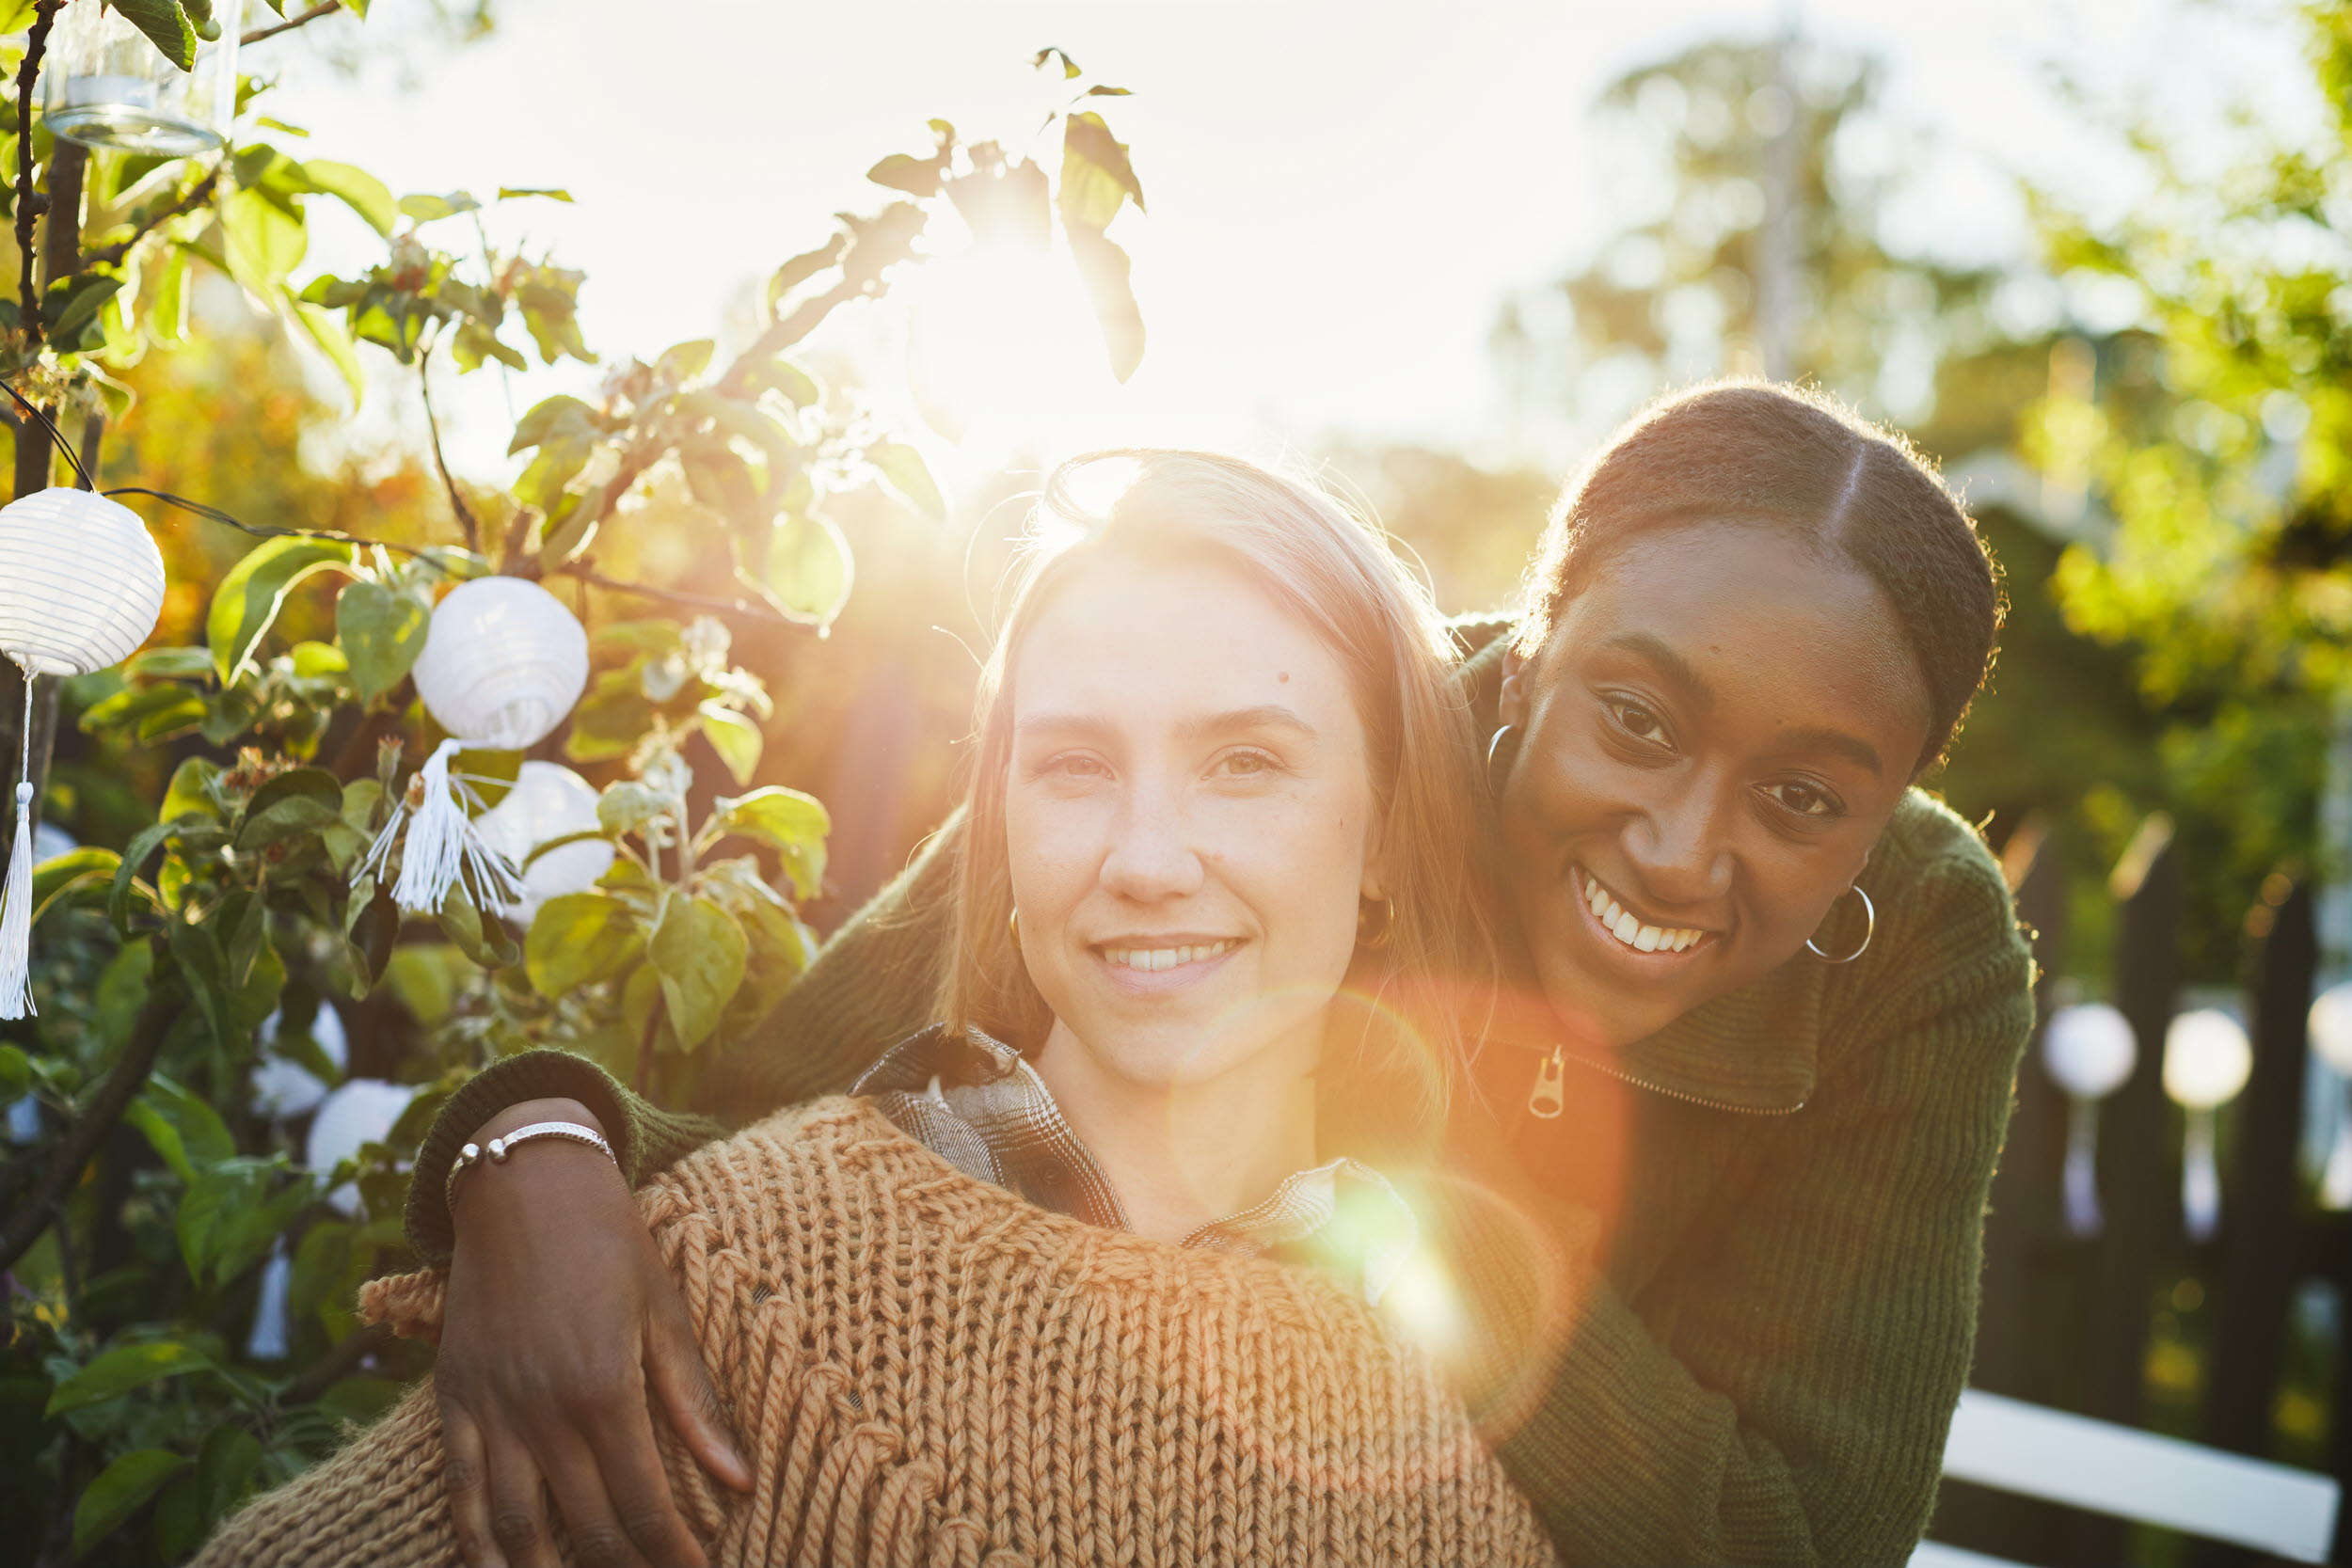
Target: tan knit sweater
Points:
(927, 1371)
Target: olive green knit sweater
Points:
(1788, 1188)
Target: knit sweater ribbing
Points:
(926, 1369)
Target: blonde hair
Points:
(1338, 573)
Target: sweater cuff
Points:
(541, 1074)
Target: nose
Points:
(1151, 854)
(1677, 846)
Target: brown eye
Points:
(1245, 764)
(1637, 720)
(1804, 799)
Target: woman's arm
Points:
(870, 988)
(1794, 1407)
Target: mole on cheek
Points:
(1282, 675)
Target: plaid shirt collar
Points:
(978, 1103)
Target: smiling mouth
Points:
(1630, 931)
(1150, 960)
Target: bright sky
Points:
(1340, 191)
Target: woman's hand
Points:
(562, 1328)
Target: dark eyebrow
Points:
(1675, 668)
(1679, 669)
(1853, 747)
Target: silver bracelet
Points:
(497, 1149)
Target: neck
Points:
(1185, 1155)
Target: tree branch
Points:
(333, 1367)
(466, 518)
(247, 40)
(790, 330)
(29, 1219)
(744, 608)
(108, 255)
(28, 200)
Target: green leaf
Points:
(698, 950)
(249, 597)
(186, 1132)
(382, 631)
(166, 28)
(231, 1216)
(915, 176)
(1048, 55)
(551, 419)
(143, 844)
(301, 801)
(121, 1486)
(808, 568)
(736, 738)
(483, 940)
(62, 876)
(796, 384)
(903, 470)
(262, 240)
(327, 329)
(802, 268)
(795, 823)
(70, 310)
(125, 1368)
(552, 192)
(426, 209)
(1096, 176)
(183, 664)
(579, 939)
(1102, 267)
(682, 362)
(610, 720)
(358, 190)
(167, 307)
(191, 790)
(628, 805)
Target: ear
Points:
(1376, 880)
(1512, 710)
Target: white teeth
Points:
(1153, 959)
(1621, 924)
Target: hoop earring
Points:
(1502, 754)
(1382, 929)
(1012, 924)
(1869, 929)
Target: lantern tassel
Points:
(16, 914)
(442, 844)
(16, 893)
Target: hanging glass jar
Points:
(105, 85)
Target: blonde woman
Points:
(1092, 1269)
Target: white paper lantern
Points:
(2331, 1026)
(2089, 1049)
(504, 662)
(2207, 1059)
(547, 802)
(283, 1086)
(81, 584)
(362, 1111)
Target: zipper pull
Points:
(1549, 1098)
